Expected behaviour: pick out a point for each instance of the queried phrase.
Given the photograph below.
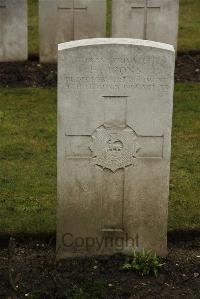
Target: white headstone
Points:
(66, 20)
(155, 20)
(13, 30)
(115, 100)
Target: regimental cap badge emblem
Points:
(113, 148)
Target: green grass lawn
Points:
(33, 28)
(189, 25)
(184, 208)
(28, 160)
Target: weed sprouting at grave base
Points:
(144, 263)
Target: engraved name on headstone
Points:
(114, 132)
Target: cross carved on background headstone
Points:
(73, 8)
(146, 5)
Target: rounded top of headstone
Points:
(114, 41)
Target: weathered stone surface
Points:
(13, 30)
(66, 20)
(155, 20)
(114, 133)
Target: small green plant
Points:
(144, 263)
(51, 76)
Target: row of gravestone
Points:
(65, 20)
(115, 99)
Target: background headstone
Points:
(115, 101)
(66, 20)
(155, 20)
(13, 30)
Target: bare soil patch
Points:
(28, 270)
(32, 73)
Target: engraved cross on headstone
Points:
(72, 8)
(146, 4)
(113, 147)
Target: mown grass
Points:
(184, 208)
(189, 25)
(28, 160)
(33, 28)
